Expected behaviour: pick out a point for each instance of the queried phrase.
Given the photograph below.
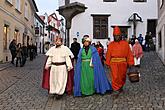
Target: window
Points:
(109, 0)
(160, 39)
(52, 37)
(26, 11)
(100, 26)
(6, 31)
(140, 0)
(18, 5)
(41, 30)
(37, 30)
(16, 33)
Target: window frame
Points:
(103, 27)
(139, 0)
(109, 0)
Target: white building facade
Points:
(160, 31)
(39, 34)
(101, 16)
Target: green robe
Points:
(87, 74)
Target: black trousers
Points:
(20, 61)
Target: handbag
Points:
(133, 75)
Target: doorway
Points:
(151, 26)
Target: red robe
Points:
(119, 49)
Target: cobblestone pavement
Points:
(5, 65)
(20, 89)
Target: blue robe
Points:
(101, 82)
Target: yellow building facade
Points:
(16, 22)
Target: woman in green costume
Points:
(87, 76)
(90, 76)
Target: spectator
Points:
(140, 39)
(19, 54)
(12, 48)
(75, 47)
(137, 52)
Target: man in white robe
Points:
(60, 63)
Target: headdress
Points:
(116, 31)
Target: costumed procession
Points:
(81, 71)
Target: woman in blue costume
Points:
(90, 76)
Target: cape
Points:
(101, 82)
(46, 77)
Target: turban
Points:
(116, 31)
(86, 39)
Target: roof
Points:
(54, 16)
(39, 19)
(35, 6)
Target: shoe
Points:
(120, 90)
(58, 97)
(51, 95)
(138, 66)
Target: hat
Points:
(116, 31)
(88, 39)
(85, 37)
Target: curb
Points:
(4, 67)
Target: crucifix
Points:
(67, 2)
(135, 18)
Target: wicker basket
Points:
(133, 76)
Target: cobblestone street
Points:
(20, 89)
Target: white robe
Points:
(58, 74)
(137, 61)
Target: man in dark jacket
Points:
(24, 55)
(147, 43)
(75, 47)
(12, 48)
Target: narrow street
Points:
(20, 89)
